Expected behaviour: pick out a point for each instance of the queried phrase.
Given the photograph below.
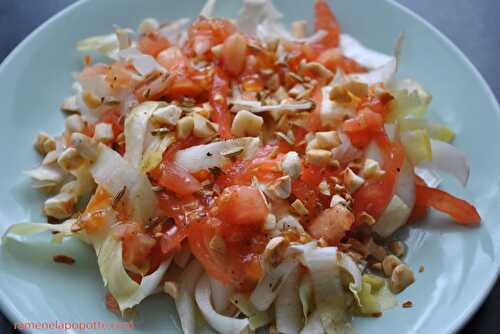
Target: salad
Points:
(252, 173)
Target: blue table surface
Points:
(472, 25)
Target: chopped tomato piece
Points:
(242, 205)
(114, 117)
(218, 98)
(205, 33)
(173, 60)
(375, 194)
(228, 252)
(201, 234)
(375, 104)
(333, 59)
(172, 239)
(315, 118)
(362, 128)
(137, 245)
(332, 224)
(461, 211)
(112, 304)
(152, 44)
(177, 179)
(326, 20)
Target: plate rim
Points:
(10, 310)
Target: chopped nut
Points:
(365, 218)
(376, 251)
(421, 269)
(86, 146)
(327, 139)
(148, 25)
(171, 289)
(389, 264)
(246, 124)
(299, 29)
(296, 90)
(299, 207)
(352, 181)
(371, 168)
(401, 278)
(44, 143)
(72, 188)
(397, 248)
(168, 115)
(74, 123)
(69, 105)
(337, 200)
(290, 164)
(376, 266)
(63, 259)
(103, 132)
(339, 94)
(60, 206)
(281, 187)
(318, 157)
(312, 144)
(359, 89)
(202, 128)
(50, 158)
(92, 101)
(184, 127)
(324, 188)
(70, 159)
(316, 70)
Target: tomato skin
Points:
(153, 44)
(242, 205)
(332, 224)
(218, 99)
(326, 20)
(461, 211)
(177, 179)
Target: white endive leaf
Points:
(113, 173)
(328, 290)
(288, 307)
(353, 49)
(200, 157)
(185, 296)
(136, 127)
(448, 159)
(221, 323)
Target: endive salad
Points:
(253, 173)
